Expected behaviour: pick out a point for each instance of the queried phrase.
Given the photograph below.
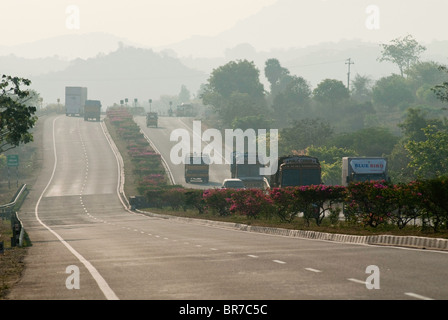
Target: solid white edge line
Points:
(102, 284)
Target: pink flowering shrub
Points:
(250, 202)
(316, 201)
(285, 203)
(218, 200)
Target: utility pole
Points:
(349, 62)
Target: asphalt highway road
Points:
(76, 222)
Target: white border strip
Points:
(107, 291)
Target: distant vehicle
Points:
(185, 110)
(296, 171)
(92, 110)
(75, 99)
(363, 169)
(152, 119)
(246, 167)
(197, 167)
(233, 184)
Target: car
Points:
(233, 184)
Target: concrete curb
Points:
(384, 240)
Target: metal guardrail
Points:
(9, 206)
(9, 211)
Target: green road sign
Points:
(12, 160)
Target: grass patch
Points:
(11, 267)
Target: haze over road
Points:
(74, 218)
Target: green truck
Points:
(296, 171)
(152, 119)
(92, 110)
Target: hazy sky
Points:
(159, 23)
(148, 22)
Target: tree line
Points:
(401, 116)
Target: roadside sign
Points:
(12, 160)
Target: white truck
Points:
(363, 169)
(75, 99)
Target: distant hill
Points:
(127, 72)
(290, 24)
(26, 68)
(67, 47)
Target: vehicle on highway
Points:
(296, 171)
(246, 167)
(233, 184)
(75, 99)
(92, 110)
(185, 110)
(152, 119)
(363, 169)
(197, 166)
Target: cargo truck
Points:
(75, 99)
(92, 110)
(197, 167)
(363, 169)
(296, 171)
(246, 167)
(151, 119)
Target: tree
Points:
(275, 73)
(287, 104)
(16, 118)
(331, 92)
(403, 52)
(412, 127)
(368, 142)
(235, 90)
(429, 158)
(304, 133)
(392, 91)
(441, 90)
(330, 159)
(184, 95)
(361, 88)
(413, 130)
(426, 73)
